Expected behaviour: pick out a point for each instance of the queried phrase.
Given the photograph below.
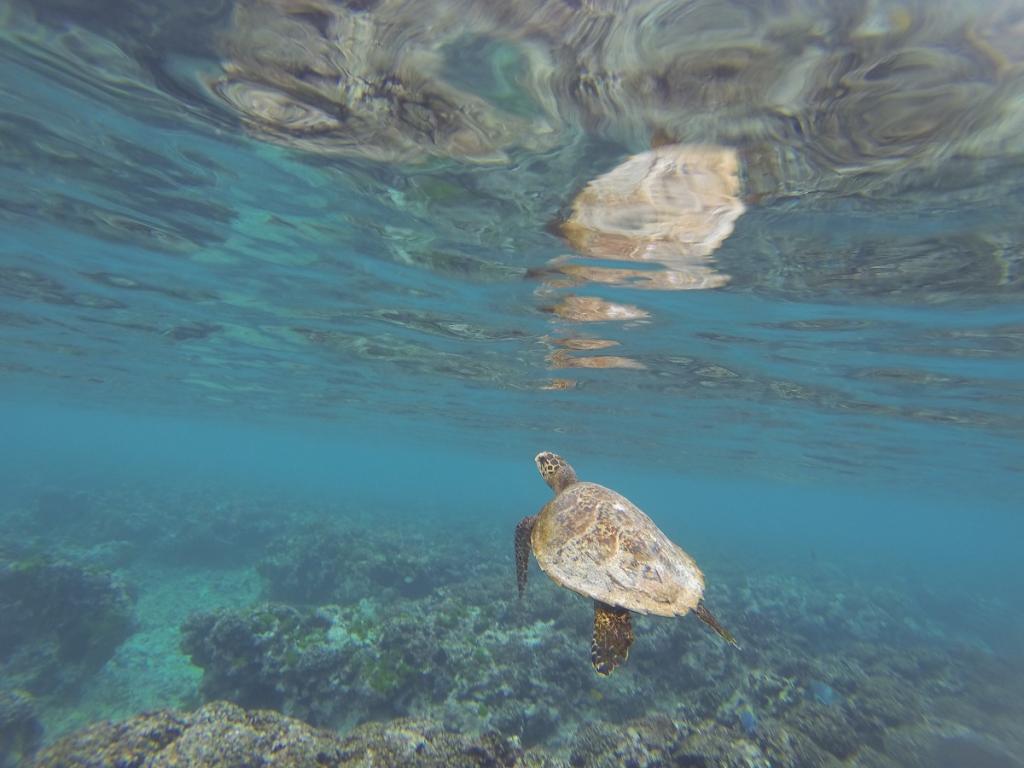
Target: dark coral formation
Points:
(20, 729)
(61, 622)
(273, 656)
(222, 735)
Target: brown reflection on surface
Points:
(590, 309)
(559, 384)
(567, 275)
(585, 344)
(674, 205)
(561, 358)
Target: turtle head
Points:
(555, 470)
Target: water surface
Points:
(359, 262)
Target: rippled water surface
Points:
(310, 208)
(746, 242)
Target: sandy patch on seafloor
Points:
(149, 670)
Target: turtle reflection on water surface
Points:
(597, 543)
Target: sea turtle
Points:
(597, 543)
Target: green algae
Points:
(389, 673)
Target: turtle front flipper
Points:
(613, 634)
(523, 531)
(704, 615)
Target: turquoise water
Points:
(291, 294)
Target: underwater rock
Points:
(61, 622)
(714, 746)
(222, 735)
(216, 736)
(645, 743)
(659, 740)
(416, 743)
(20, 729)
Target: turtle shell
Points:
(596, 542)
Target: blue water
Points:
(224, 326)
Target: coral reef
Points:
(222, 735)
(475, 663)
(20, 729)
(407, 635)
(829, 672)
(335, 665)
(61, 622)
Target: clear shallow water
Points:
(324, 256)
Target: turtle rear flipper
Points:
(704, 615)
(523, 531)
(613, 634)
